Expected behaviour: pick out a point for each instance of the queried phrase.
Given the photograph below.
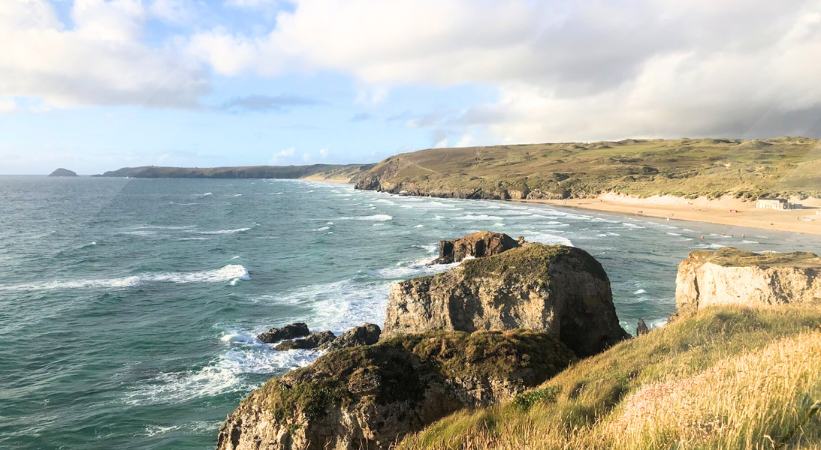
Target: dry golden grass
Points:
(727, 378)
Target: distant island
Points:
(63, 173)
(330, 172)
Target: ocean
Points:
(128, 307)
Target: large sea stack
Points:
(556, 289)
(63, 173)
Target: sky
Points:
(94, 85)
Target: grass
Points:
(684, 167)
(732, 257)
(729, 377)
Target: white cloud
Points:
(251, 3)
(563, 70)
(99, 60)
(283, 155)
(323, 152)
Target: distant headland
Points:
(328, 172)
(63, 173)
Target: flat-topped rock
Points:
(366, 334)
(732, 276)
(313, 340)
(556, 289)
(477, 245)
(370, 396)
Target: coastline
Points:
(724, 211)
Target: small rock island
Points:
(63, 173)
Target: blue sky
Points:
(94, 85)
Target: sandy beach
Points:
(727, 211)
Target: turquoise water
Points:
(128, 308)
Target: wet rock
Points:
(641, 328)
(314, 340)
(367, 334)
(290, 331)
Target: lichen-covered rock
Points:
(556, 289)
(366, 334)
(313, 340)
(290, 331)
(732, 276)
(479, 244)
(371, 396)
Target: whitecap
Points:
(669, 233)
(230, 273)
(375, 217)
(230, 231)
(546, 238)
(639, 292)
(322, 229)
(478, 217)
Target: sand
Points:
(726, 211)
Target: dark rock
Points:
(367, 334)
(313, 341)
(641, 328)
(479, 244)
(290, 331)
(371, 396)
(63, 173)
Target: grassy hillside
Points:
(685, 167)
(322, 170)
(729, 377)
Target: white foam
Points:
(546, 238)
(230, 231)
(207, 194)
(375, 218)
(237, 195)
(478, 217)
(322, 228)
(230, 273)
(419, 226)
(670, 233)
(639, 292)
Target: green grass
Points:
(728, 377)
(733, 257)
(685, 167)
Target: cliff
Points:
(691, 168)
(731, 276)
(317, 171)
(556, 289)
(370, 396)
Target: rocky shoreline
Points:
(509, 317)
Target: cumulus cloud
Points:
(563, 70)
(98, 59)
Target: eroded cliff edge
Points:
(730, 276)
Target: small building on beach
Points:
(772, 203)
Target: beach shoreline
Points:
(724, 211)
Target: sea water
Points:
(129, 308)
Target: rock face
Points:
(290, 331)
(479, 244)
(367, 334)
(371, 396)
(313, 340)
(63, 173)
(732, 276)
(556, 289)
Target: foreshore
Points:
(725, 211)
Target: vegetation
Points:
(732, 257)
(729, 377)
(690, 168)
(320, 170)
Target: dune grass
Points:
(729, 377)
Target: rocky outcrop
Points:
(557, 289)
(732, 276)
(642, 328)
(479, 244)
(290, 331)
(63, 173)
(313, 340)
(367, 334)
(371, 396)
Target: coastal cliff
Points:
(690, 168)
(731, 276)
(338, 172)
